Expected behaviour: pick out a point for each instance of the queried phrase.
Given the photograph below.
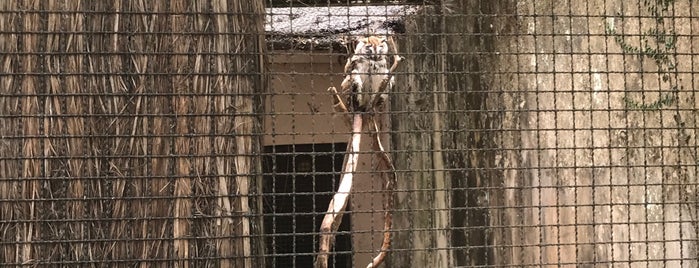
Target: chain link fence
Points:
(202, 134)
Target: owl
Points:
(366, 70)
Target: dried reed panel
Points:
(246, 108)
(31, 146)
(111, 102)
(134, 132)
(224, 224)
(245, 125)
(158, 127)
(182, 104)
(71, 115)
(9, 188)
(19, 175)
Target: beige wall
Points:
(299, 111)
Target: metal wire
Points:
(524, 133)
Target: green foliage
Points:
(664, 100)
(657, 44)
(657, 8)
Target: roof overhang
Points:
(326, 28)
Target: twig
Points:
(337, 206)
(338, 104)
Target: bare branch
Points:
(339, 105)
(388, 173)
(333, 217)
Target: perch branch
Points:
(388, 173)
(336, 208)
(388, 170)
(333, 217)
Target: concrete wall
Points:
(601, 181)
(547, 163)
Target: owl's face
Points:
(372, 47)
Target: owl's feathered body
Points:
(366, 70)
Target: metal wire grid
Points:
(588, 162)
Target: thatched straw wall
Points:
(128, 130)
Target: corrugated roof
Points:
(306, 28)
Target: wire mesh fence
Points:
(203, 134)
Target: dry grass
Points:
(124, 162)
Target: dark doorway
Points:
(299, 182)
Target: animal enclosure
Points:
(203, 134)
